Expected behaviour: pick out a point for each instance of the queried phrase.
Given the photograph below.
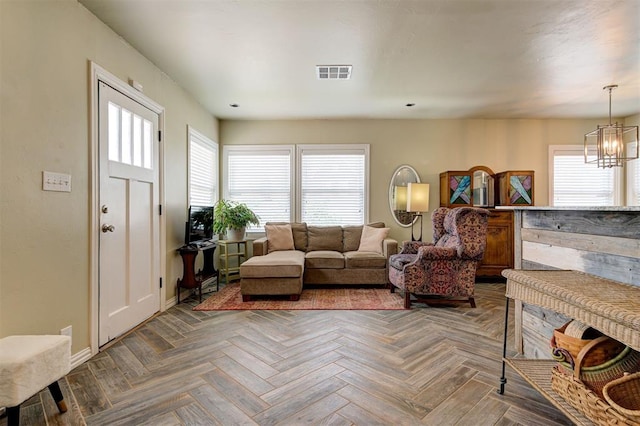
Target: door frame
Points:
(97, 73)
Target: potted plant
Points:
(232, 217)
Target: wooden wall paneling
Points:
(602, 242)
(619, 268)
(607, 223)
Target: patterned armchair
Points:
(443, 271)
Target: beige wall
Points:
(44, 251)
(430, 146)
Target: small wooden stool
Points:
(27, 365)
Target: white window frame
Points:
(194, 136)
(633, 175)
(360, 149)
(294, 180)
(261, 149)
(578, 150)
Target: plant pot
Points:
(235, 234)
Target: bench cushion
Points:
(289, 263)
(30, 363)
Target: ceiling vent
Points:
(333, 72)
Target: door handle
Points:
(108, 228)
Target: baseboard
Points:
(174, 300)
(80, 357)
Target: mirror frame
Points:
(392, 184)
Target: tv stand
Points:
(190, 278)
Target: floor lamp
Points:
(417, 203)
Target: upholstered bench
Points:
(27, 365)
(280, 273)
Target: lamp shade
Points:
(418, 197)
(400, 198)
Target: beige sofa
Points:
(321, 255)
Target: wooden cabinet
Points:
(481, 187)
(514, 188)
(499, 252)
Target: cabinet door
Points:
(499, 252)
(455, 189)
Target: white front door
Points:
(129, 259)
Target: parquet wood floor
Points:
(424, 366)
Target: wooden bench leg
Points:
(407, 299)
(13, 416)
(56, 393)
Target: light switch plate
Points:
(52, 181)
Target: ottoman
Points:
(276, 273)
(28, 364)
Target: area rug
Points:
(330, 298)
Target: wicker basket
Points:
(596, 377)
(587, 401)
(562, 342)
(624, 395)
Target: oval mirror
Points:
(402, 177)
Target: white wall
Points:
(430, 146)
(44, 112)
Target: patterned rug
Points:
(330, 298)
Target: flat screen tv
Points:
(200, 224)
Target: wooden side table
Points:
(191, 278)
(232, 254)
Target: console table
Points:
(609, 306)
(191, 278)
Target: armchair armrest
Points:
(411, 247)
(260, 246)
(389, 247)
(436, 253)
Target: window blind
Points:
(203, 170)
(578, 184)
(332, 186)
(262, 180)
(633, 178)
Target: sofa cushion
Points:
(364, 260)
(288, 263)
(372, 238)
(324, 238)
(299, 230)
(324, 259)
(279, 237)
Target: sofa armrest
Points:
(412, 247)
(260, 247)
(436, 253)
(389, 247)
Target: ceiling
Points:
(451, 58)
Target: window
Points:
(633, 178)
(317, 184)
(260, 177)
(333, 184)
(575, 183)
(203, 169)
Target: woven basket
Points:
(596, 377)
(624, 395)
(587, 401)
(603, 352)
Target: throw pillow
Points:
(353, 234)
(371, 239)
(279, 237)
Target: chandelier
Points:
(609, 142)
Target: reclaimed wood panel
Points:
(604, 243)
(623, 224)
